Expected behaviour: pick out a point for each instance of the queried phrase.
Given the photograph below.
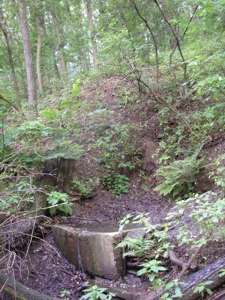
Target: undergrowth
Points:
(153, 250)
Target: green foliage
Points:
(136, 247)
(85, 188)
(64, 294)
(179, 177)
(18, 195)
(76, 88)
(117, 183)
(96, 293)
(222, 273)
(206, 212)
(172, 290)
(118, 151)
(218, 172)
(152, 248)
(50, 114)
(212, 86)
(31, 130)
(59, 204)
(202, 288)
(152, 269)
(64, 148)
(33, 142)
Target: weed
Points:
(152, 269)
(179, 177)
(117, 183)
(202, 288)
(59, 204)
(84, 188)
(118, 152)
(96, 293)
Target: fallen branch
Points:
(175, 260)
(16, 290)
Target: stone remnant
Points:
(93, 252)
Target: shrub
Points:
(59, 204)
(179, 177)
(85, 189)
(117, 183)
(218, 172)
(118, 151)
(17, 195)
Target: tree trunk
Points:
(38, 57)
(31, 87)
(92, 32)
(5, 32)
(62, 66)
(55, 64)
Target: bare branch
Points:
(152, 36)
(175, 36)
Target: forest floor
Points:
(49, 272)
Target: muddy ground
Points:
(45, 270)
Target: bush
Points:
(85, 189)
(118, 151)
(179, 177)
(59, 204)
(16, 196)
(117, 183)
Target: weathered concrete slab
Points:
(100, 255)
(90, 251)
(67, 240)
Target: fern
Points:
(179, 177)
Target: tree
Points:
(31, 86)
(91, 27)
(38, 56)
(3, 28)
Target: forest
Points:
(112, 149)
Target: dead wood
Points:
(208, 273)
(12, 289)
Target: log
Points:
(208, 273)
(190, 282)
(12, 289)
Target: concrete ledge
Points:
(91, 252)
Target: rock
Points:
(131, 294)
(126, 289)
(93, 252)
(135, 232)
(181, 216)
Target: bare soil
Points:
(47, 271)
